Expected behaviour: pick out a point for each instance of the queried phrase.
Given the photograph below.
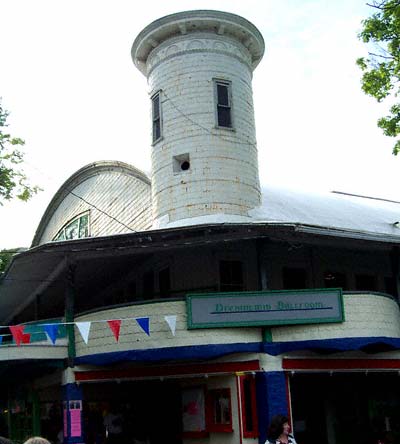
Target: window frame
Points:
(253, 402)
(70, 222)
(155, 140)
(218, 106)
(212, 425)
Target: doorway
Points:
(149, 411)
(346, 408)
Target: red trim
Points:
(239, 404)
(193, 369)
(289, 400)
(249, 433)
(213, 426)
(341, 364)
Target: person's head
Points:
(36, 440)
(279, 425)
(5, 440)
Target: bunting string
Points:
(51, 331)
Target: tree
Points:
(381, 69)
(5, 258)
(13, 181)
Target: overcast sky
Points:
(75, 96)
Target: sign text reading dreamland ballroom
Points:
(264, 308)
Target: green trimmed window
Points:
(77, 228)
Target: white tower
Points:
(199, 67)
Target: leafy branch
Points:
(381, 71)
(13, 181)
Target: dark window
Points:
(231, 276)
(365, 282)
(294, 278)
(131, 291)
(148, 285)
(224, 107)
(335, 280)
(249, 409)
(156, 116)
(164, 282)
(390, 286)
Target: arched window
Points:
(74, 229)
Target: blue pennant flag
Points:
(1, 339)
(51, 330)
(144, 324)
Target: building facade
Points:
(190, 305)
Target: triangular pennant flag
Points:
(171, 321)
(26, 338)
(115, 326)
(144, 323)
(51, 331)
(84, 329)
(17, 332)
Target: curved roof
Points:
(76, 179)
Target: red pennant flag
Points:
(18, 333)
(115, 326)
(26, 338)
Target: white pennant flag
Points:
(171, 321)
(84, 328)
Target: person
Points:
(36, 440)
(113, 425)
(279, 431)
(4, 440)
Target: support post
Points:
(272, 399)
(69, 313)
(72, 413)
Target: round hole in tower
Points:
(185, 165)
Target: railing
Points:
(36, 331)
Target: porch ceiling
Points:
(43, 270)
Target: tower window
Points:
(156, 116)
(223, 100)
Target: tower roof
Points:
(181, 23)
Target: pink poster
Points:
(65, 423)
(75, 416)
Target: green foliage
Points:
(13, 182)
(381, 69)
(5, 258)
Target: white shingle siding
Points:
(132, 337)
(367, 315)
(223, 175)
(124, 201)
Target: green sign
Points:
(250, 309)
